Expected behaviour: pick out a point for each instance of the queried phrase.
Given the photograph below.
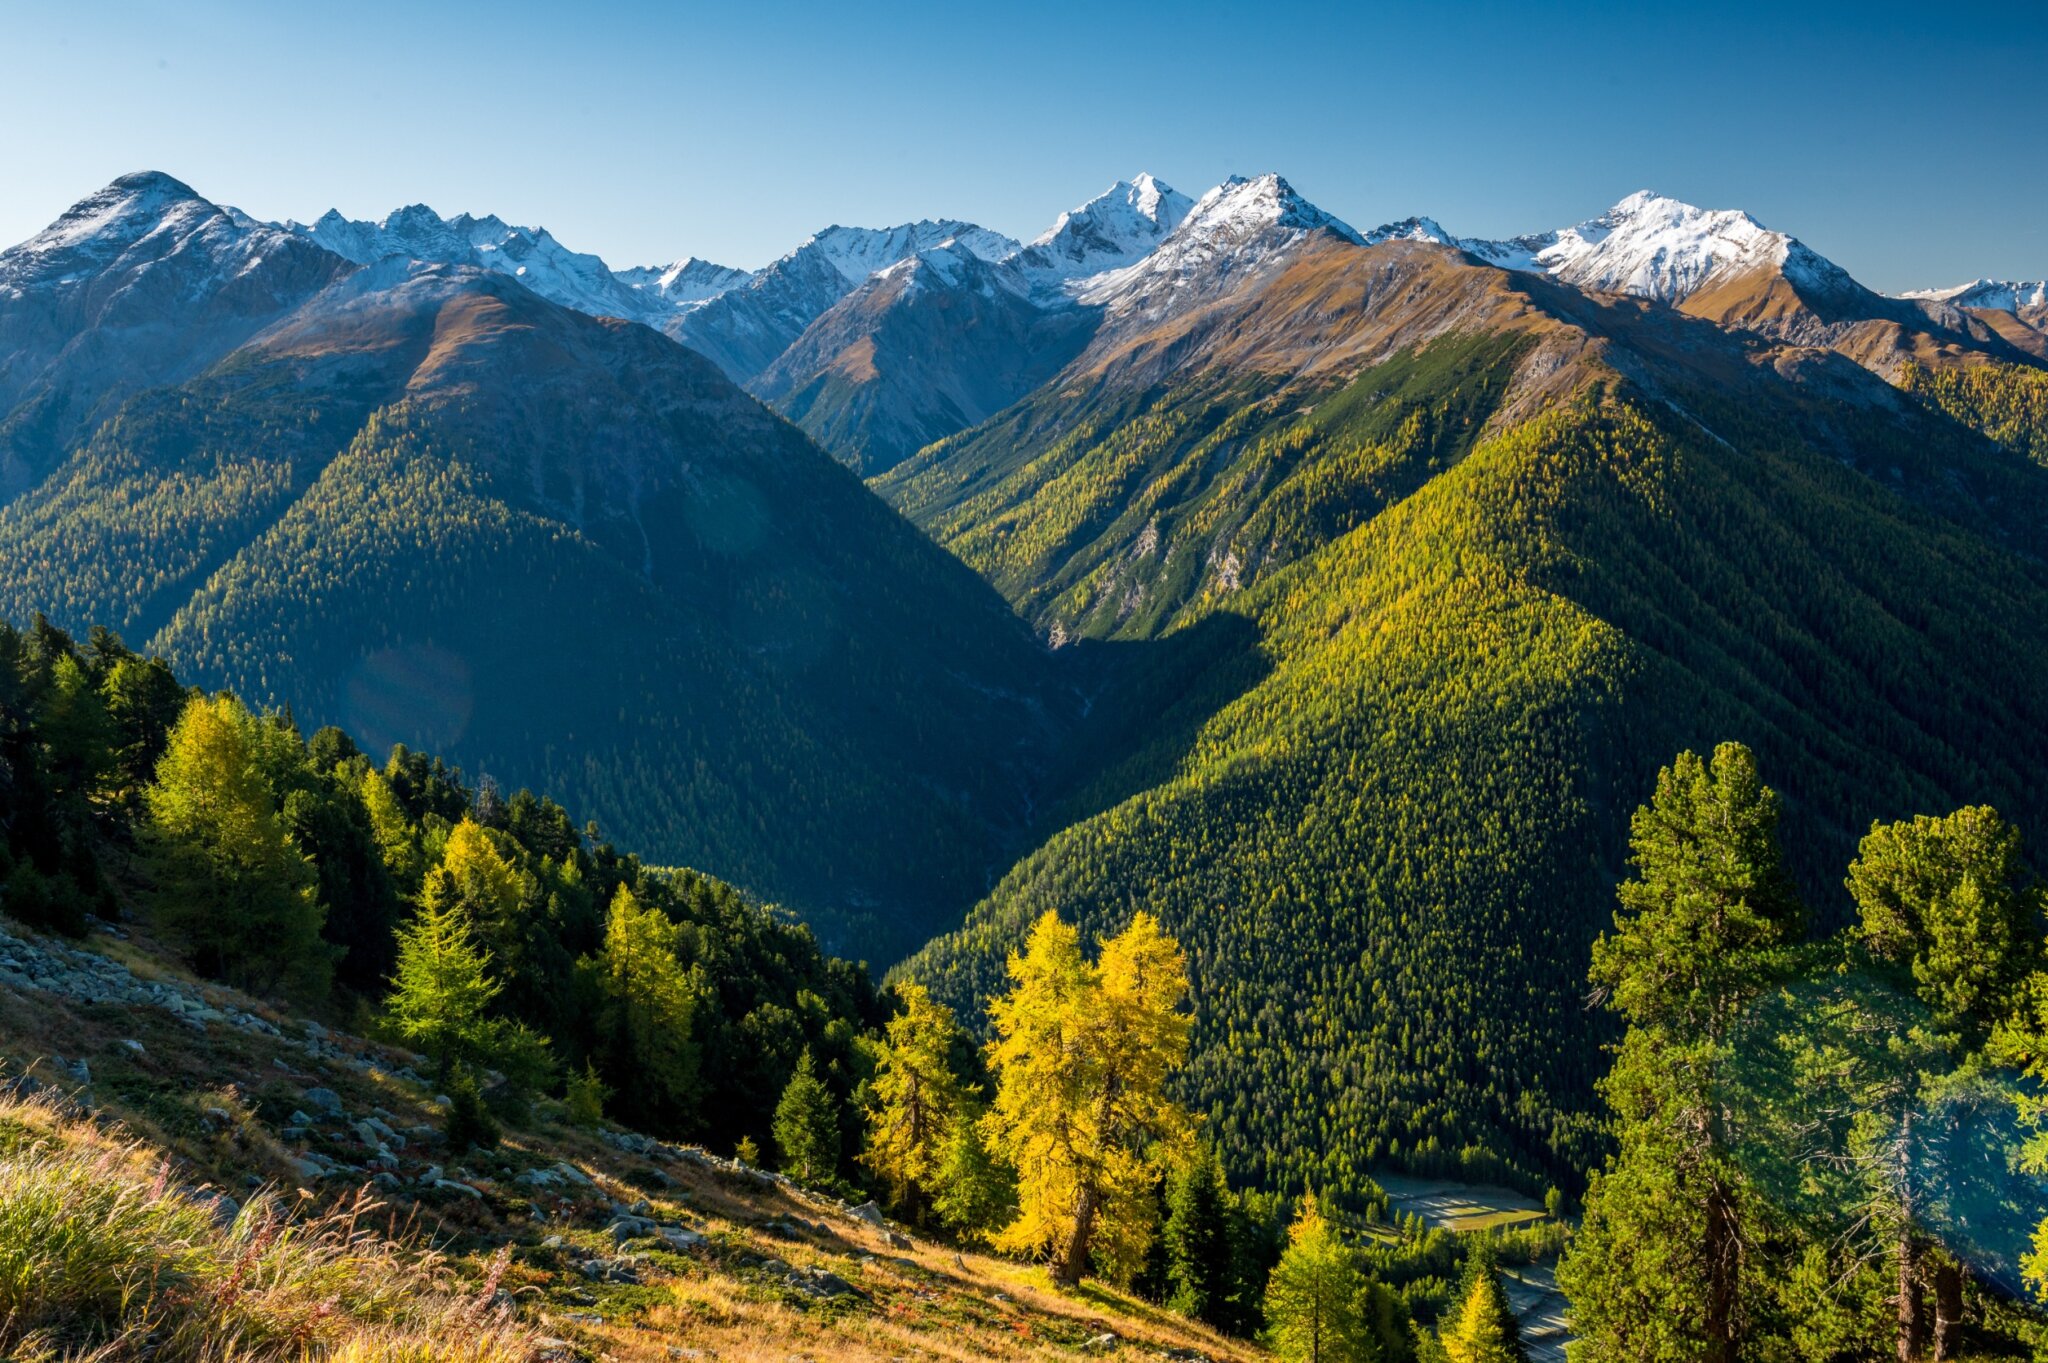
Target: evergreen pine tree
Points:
(807, 1127)
(440, 993)
(650, 1009)
(1200, 1264)
(1949, 904)
(974, 1192)
(1659, 1269)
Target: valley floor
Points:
(1532, 1288)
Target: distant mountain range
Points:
(848, 333)
(1333, 594)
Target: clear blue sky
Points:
(1904, 141)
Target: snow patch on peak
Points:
(112, 219)
(953, 266)
(131, 223)
(687, 283)
(1243, 204)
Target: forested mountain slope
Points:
(569, 553)
(1490, 549)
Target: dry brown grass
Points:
(104, 1257)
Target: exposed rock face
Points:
(930, 346)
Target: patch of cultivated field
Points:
(1459, 1206)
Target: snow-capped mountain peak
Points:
(686, 283)
(857, 252)
(531, 255)
(1411, 229)
(1656, 247)
(1992, 295)
(1241, 205)
(105, 224)
(1240, 226)
(1110, 231)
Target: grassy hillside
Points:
(1386, 820)
(162, 1199)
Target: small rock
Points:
(629, 1228)
(324, 1101)
(447, 1185)
(133, 1045)
(680, 1239)
(868, 1212)
(895, 1241)
(1104, 1341)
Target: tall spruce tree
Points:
(1659, 1271)
(807, 1126)
(1482, 1327)
(442, 988)
(1201, 1268)
(649, 1013)
(975, 1191)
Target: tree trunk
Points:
(1073, 1258)
(1723, 1246)
(1948, 1308)
(1911, 1318)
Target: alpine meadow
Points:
(1207, 784)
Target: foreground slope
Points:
(438, 508)
(1482, 551)
(166, 1135)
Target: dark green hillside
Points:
(1389, 850)
(567, 553)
